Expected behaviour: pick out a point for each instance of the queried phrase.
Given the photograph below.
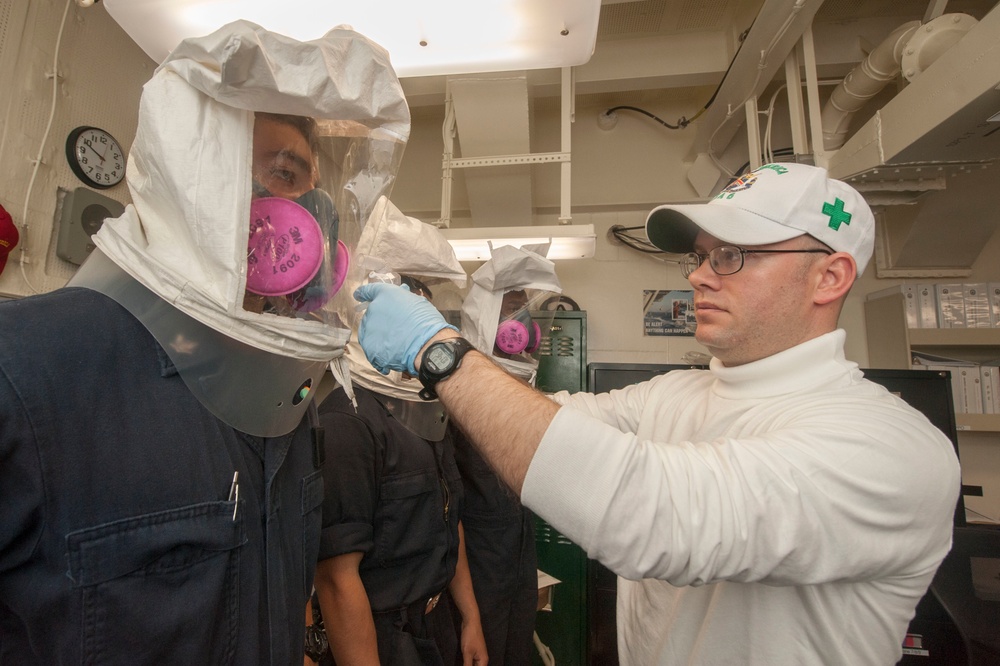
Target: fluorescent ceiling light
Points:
(567, 241)
(423, 37)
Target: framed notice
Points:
(668, 312)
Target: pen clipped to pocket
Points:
(234, 493)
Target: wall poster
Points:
(668, 312)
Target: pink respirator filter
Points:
(285, 250)
(513, 337)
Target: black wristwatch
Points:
(317, 644)
(439, 361)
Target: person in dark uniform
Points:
(499, 530)
(159, 482)
(500, 543)
(391, 544)
(392, 560)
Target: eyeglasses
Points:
(728, 259)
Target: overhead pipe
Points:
(864, 82)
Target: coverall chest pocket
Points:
(180, 565)
(410, 517)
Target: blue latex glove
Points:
(396, 326)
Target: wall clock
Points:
(95, 157)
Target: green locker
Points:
(563, 366)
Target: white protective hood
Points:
(405, 246)
(185, 235)
(509, 268)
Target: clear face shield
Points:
(444, 294)
(315, 184)
(503, 313)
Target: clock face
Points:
(95, 157)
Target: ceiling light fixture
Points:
(423, 37)
(567, 241)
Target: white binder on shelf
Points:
(977, 305)
(965, 380)
(950, 305)
(989, 376)
(926, 306)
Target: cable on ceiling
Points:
(640, 243)
(681, 123)
(607, 120)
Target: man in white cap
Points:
(777, 508)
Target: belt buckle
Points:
(431, 603)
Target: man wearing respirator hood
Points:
(392, 559)
(161, 482)
(502, 316)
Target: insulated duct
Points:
(773, 35)
(934, 145)
(911, 47)
(493, 118)
(945, 118)
(863, 82)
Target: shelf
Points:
(954, 337)
(890, 342)
(978, 422)
(891, 345)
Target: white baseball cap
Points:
(773, 203)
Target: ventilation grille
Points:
(646, 18)
(656, 17)
(839, 10)
(557, 345)
(626, 19)
(6, 9)
(703, 15)
(545, 534)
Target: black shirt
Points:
(392, 496)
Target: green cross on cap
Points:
(837, 213)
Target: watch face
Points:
(439, 358)
(95, 157)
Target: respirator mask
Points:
(315, 186)
(518, 333)
(522, 334)
(503, 314)
(287, 253)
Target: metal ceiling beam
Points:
(775, 32)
